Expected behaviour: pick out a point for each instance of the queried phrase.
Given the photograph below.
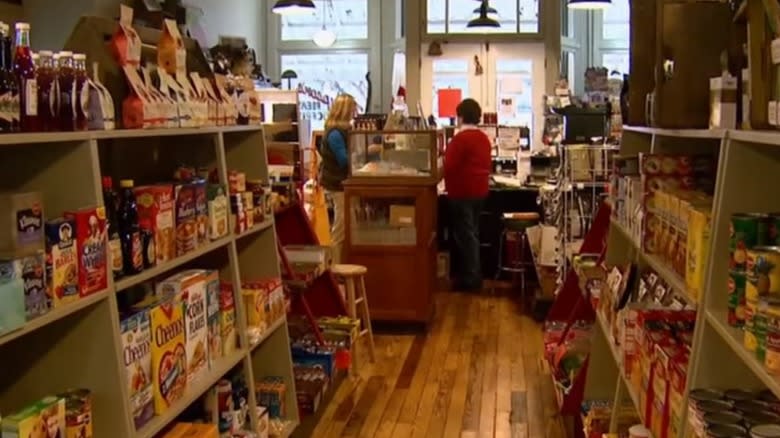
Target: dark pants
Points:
(464, 220)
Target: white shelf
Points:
(757, 137)
(682, 133)
(54, 315)
(281, 322)
(257, 228)
(194, 391)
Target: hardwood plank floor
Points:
(477, 372)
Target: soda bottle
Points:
(81, 102)
(111, 203)
(10, 78)
(66, 78)
(129, 230)
(7, 82)
(46, 77)
(24, 70)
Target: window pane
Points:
(617, 60)
(322, 77)
(529, 16)
(616, 21)
(462, 11)
(515, 83)
(347, 18)
(449, 73)
(436, 16)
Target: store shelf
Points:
(682, 133)
(757, 137)
(158, 270)
(281, 322)
(193, 392)
(733, 337)
(257, 228)
(54, 315)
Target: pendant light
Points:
(325, 38)
(589, 4)
(490, 10)
(293, 7)
(483, 20)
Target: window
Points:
(449, 73)
(323, 76)
(514, 92)
(617, 60)
(615, 21)
(347, 18)
(452, 16)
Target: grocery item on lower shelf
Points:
(597, 415)
(264, 305)
(566, 356)
(66, 415)
(734, 412)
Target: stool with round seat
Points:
(355, 285)
(513, 246)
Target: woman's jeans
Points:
(464, 220)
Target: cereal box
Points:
(78, 413)
(136, 346)
(218, 211)
(12, 311)
(169, 363)
(227, 319)
(25, 423)
(197, 330)
(62, 266)
(201, 211)
(186, 219)
(31, 270)
(155, 213)
(91, 247)
(212, 317)
(52, 411)
(21, 225)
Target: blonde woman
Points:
(334, 168)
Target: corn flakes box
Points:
(62, 263)
(196, 332)
(136, 336)
(213, 317)
(52, 412)
(25, 423)
(227, 319)
(169, 356)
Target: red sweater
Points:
(467, 165)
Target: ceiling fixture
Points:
(325, 38)
(293, 7)
(483, 20)
(589, 4)
(490, 10)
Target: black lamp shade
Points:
(289, 74)
(293, 6)
(589, 4)
(483, 20)
(490, 10)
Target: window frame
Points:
(601, 45)
(456, 37)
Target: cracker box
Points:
(25, 423)
(12, 310)
(52, 411)
(217, 211)
(136, 347)
(227, 319)
(169, 356)
(201, 211)
(62, 266)
(155, 213)
(91, 247)
(211, 279)
(186, 219)
(21, 225)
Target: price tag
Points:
(775, 49)
(772, 112)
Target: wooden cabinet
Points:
(391, 229)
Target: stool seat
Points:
(348, 270)
(520, 221)
(522, 216)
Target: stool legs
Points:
(349, 285)
(366, 318)
(516, 266)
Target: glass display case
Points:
(404, 154)
(385, 221)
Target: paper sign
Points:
(449, 98)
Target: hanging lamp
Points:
(324, 37)
(589, 4)
(490, 10)
(293, 7)
(483, 20)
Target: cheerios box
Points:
(227, 318)
(62, 261)
(169, 356)
(212, 317)
(25, 423)
(136, 336)
(190, 288)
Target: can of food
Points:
(746, 231)
(739, 395)
(756, 418)
(701, 395)
(78, 418)
(747, 406)
(736, 306)
(726, 417)
(726, 431)
(765, 431)
(763, 271)
(772, 355)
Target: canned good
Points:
(746, 231)
(700, 395)
(763, 271)
(721, 418)
(756, 418)
(739, 395)
(747, 406)
(726, 431)
(736, 287)
(772, 355)
(765, 431)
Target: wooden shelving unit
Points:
(748, 163)
(79, 346)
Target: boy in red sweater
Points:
(467, 165)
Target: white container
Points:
(639, 431)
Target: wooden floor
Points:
(476, 373)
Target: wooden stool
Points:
(351, 273)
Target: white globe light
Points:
(324, 38)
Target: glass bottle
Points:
(129, 230)
(7, 82)
(66, 79)
(80, 65)
(111, 203)
(24, 70)
(46, 77)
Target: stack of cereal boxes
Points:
(249, 201)
(64, 415)
(264, 304)
(173, 337)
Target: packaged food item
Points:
(763, 271)
(138, 110)
(271, 392)
(736, 304)
(211, 278)
(236, 182)
(155, 213)
(263, 425)
(746, 231)
(12, 302)
(31, 270)
(186, 219)
(137, 347)
(78, 415)
(22, 223)
(52, 411)
(25, 423)
(201, 211)
(91, 246)
(193, 293)
(130, 230)
(62, 267)
(169, 356)
(100, 105)
(227, 315)
(217, 211)
(171, 54)
(126, 43)
(111, 203)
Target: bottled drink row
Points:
(40, 92)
